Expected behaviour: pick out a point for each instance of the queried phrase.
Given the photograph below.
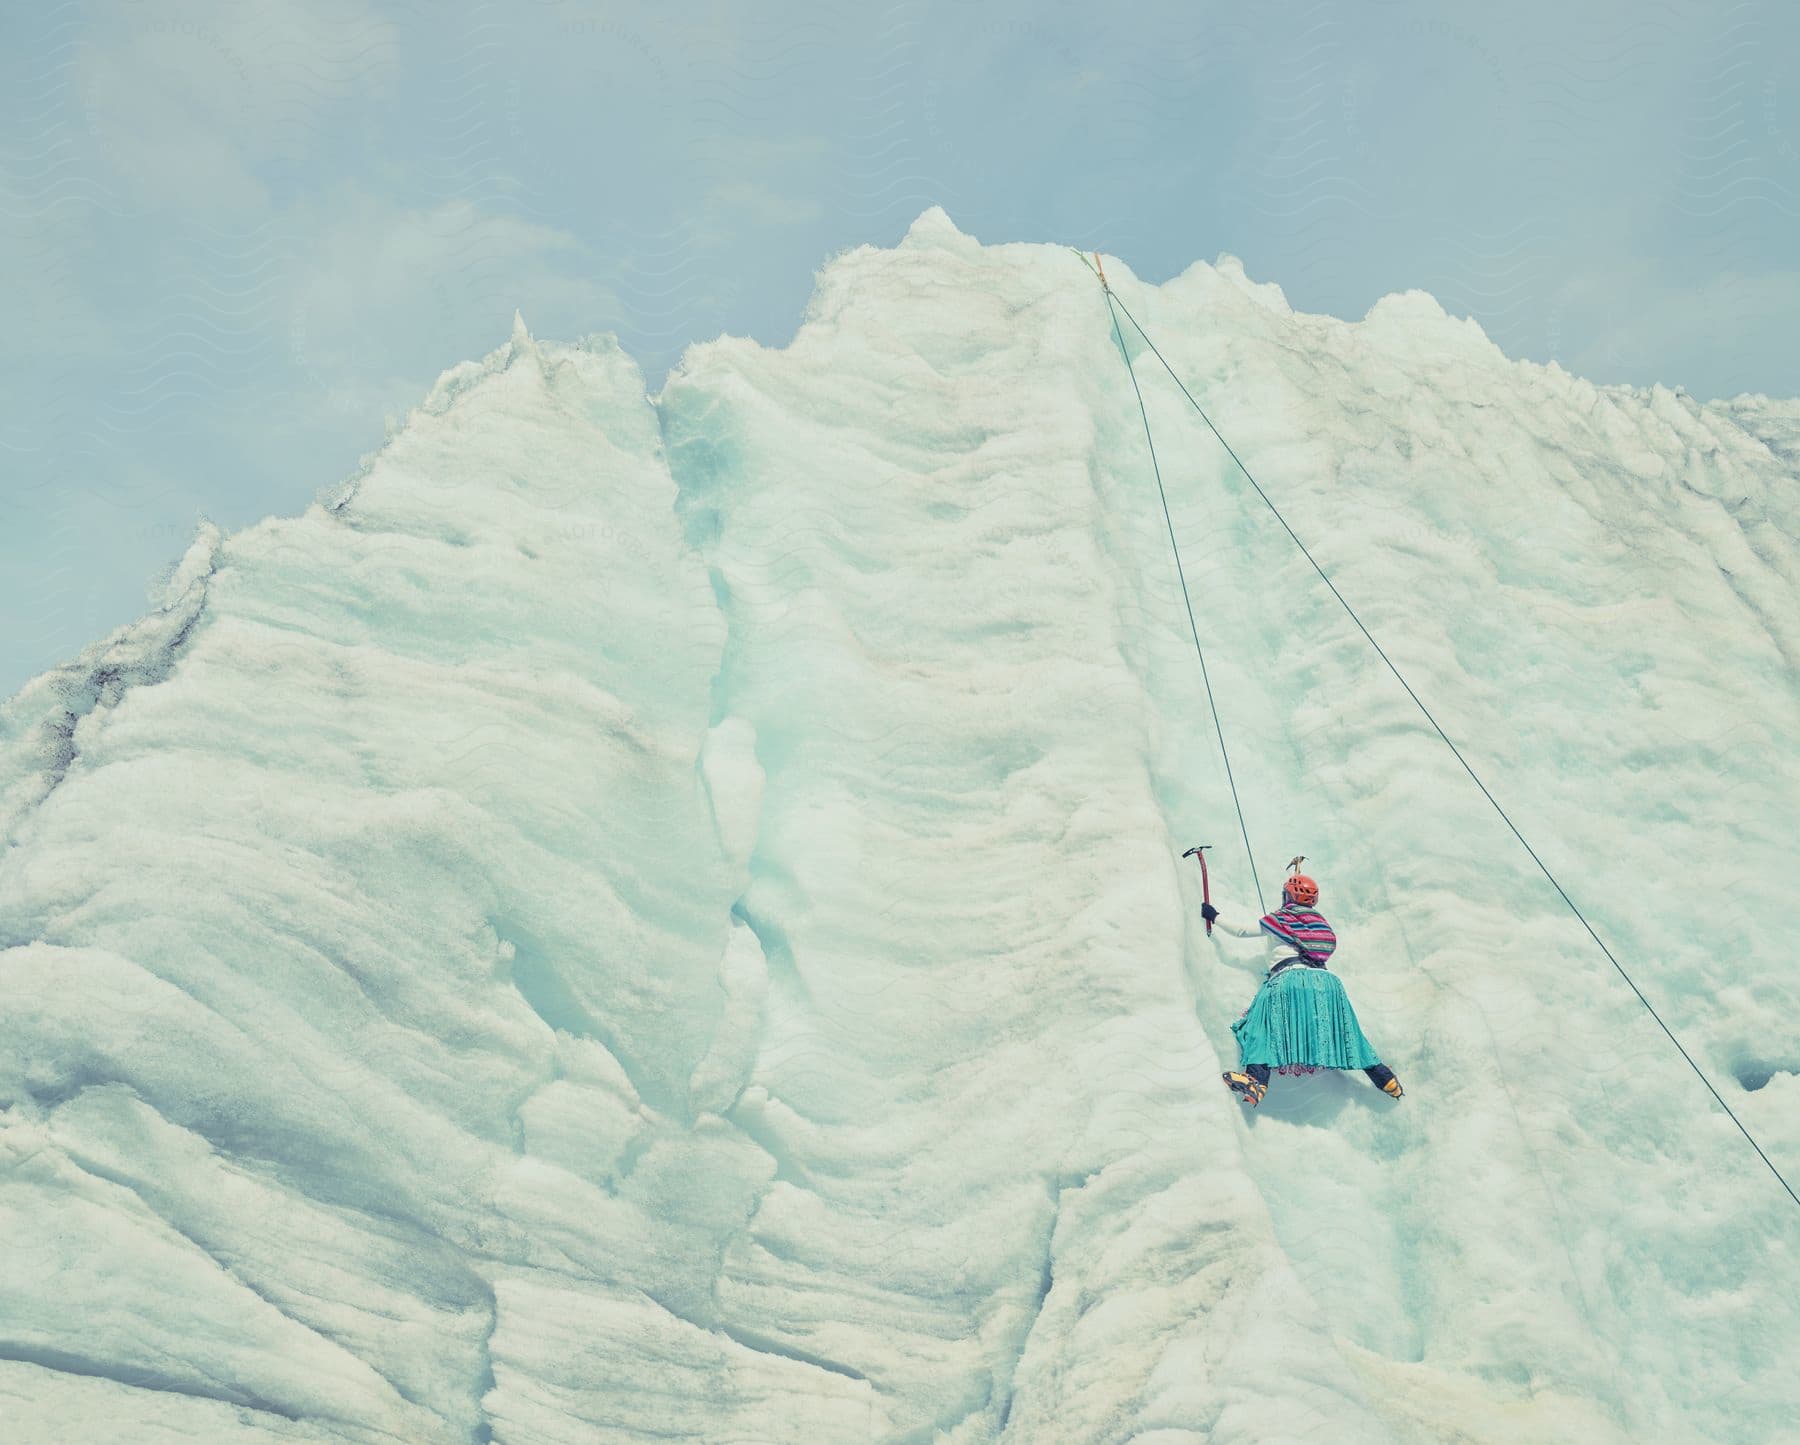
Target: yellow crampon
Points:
(1250, 1090)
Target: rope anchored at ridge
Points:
(1181, 576)
(1114, 307)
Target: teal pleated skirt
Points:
(1302, 1016)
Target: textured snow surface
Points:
(662, 917)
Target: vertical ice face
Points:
(980, 1074)
(663, 917)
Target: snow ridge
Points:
(38, 731)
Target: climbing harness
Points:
(1116, 307)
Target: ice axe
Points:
(1205, 881)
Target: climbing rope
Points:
(1114, 308)
(1181, 576)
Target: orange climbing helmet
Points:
(1299, 888)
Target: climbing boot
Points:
(1249, 1090)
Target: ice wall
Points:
(662, 916)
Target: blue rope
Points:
(1181, 574)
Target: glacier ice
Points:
(662, 915)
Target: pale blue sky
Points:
(239, 235)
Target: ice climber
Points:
(1300, 1019)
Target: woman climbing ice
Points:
(1300, 1018)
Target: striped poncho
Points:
(1302, 929)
